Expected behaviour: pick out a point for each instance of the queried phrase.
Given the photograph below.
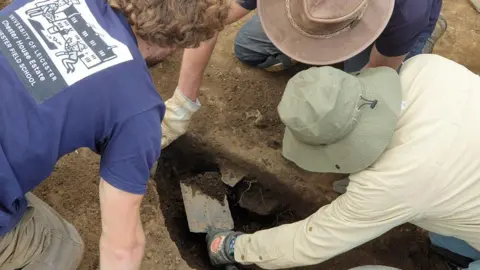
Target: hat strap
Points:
(372, 103)
(355, 117)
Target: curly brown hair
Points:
(175, 23)
(4, 3)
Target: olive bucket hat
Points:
(339, 122)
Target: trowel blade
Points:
(204, 212)
(231, 175)
(231, 179)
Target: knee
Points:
(252, 46)
(242, 50)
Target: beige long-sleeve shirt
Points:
(428, 176)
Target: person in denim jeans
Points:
(253, 47)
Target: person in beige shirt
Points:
(411, 144)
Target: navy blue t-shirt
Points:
(409, 19)
(71, 76)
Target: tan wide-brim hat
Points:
(323, 32)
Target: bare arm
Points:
(379, 60)
(196, 60)
(122, 242)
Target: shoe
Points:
(278, 63)
(340, 186)
(453, 261)
(440, 29)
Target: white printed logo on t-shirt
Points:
(52, 44)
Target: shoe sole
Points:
(279, 67)
(450, 257)
(440, 29)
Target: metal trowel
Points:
(204, 212)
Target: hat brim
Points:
(323, 51)
(368, 140)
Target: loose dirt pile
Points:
(193, 246)
(73, 191)
(209, 183)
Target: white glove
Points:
(179, 111)
(340, 186)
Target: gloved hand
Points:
(340, 186)
(179, 111)
(221, 246)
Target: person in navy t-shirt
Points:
(72, 75)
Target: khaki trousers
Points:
(42, 240)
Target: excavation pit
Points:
(255, 206)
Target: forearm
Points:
(194, 63)
(195, 60)
(184, 102)
(306, 242)
(379, 60)
(122, 242)
(332, 230)
(127, 258)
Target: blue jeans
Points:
(253, 47)
(457, 246)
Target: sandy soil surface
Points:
(73, 188)
(73, 191)
(461, 42)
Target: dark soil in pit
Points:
(405, 247)
(209, 183)
(193, 246)
(190, 245)
(180, 165)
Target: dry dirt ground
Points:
(72, 189)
